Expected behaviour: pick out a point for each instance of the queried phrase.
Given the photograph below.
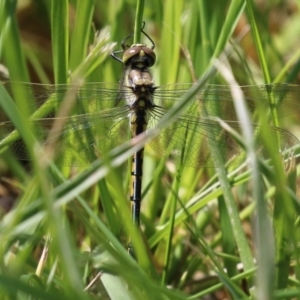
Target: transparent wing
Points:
(96, 124)
(285, 97)
(79, 140)
(188, 140)
(100, 95)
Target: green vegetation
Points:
(231, 233)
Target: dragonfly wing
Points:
(188, 141)
(284, 95)
(77, 140)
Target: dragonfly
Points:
(104, 115)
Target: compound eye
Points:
(140, 50)
(131, 52)
(151, 55)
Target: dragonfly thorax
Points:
(137, 77)
(142, 89)
(141, 97)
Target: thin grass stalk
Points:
(172, 214)
(13, 55)
(263, 61)
(81, 33)
(138, 21)
(60, 40)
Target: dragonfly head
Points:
(139, 56)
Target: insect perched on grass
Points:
(107, 114)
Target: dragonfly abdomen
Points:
(139, 121)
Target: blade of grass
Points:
(19, 121)
(60, 39)
(216, 287)
(81, 34)
(14, 285)
(12, 52)
(62, 242)
(233, 15)
(265, 250)
(138, 21)
(170, 230)
(263, 62)
(169, 57)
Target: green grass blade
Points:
(258, 43)
(60, 39)
(233, 15)
(138, 21)
(169, 57)
(12, 52)
(81, 34)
